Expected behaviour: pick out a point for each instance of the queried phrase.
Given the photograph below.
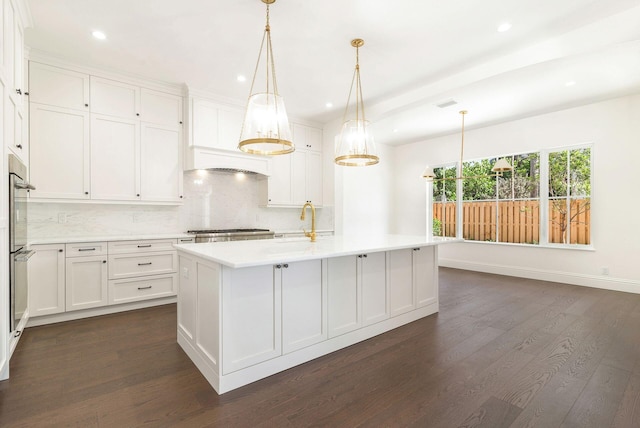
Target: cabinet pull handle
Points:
(186, 240)
(145, 288)
(19, 146)
(144, 246)
(86, 249)
(416, 249)
(18, 91)
(26, 93)
(144, 264)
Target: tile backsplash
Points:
(212, 199)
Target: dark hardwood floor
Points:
(502, 352)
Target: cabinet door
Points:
(47, 280)
(59, 152)
(188, 297)
(251, 317)
(314, 139)
(13, 123)
(160, 108)
(401, 290)
(229, 127)
(18, 62)
(113, 98)
(161, 167)
(86, 282)
(342, 299)
(58, 87)
(2, 28)
(298, 177)
(303, 305)
(115, 158)
(204, 124)
(314, 178)
(10, 14)
(279, 183)
(373, 275)
(425, 275)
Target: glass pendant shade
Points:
(355, 145)
(266, 130)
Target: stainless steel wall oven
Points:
(18, 252)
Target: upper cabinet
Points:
(12, 81)
(104, 140)
(215, 126)
(58, 87)
(297, 178)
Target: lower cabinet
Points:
(85, 275)
(47, 280)
(412, 281)
(86, 282)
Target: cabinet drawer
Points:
(120, 247)
(82, 249)
(132, 290)
(128, 265)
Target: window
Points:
(515, 207)
(444, 202)
(570, 196)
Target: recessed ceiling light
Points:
(328, 105)
(570, 83)
(505, 26)
(395, 130)
(99, 35)
(241, 78)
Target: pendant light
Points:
(501, 165)
(265, 130)
(355, 145)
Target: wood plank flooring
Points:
(502, 352)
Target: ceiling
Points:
(417, 53)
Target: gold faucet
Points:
(311, 234)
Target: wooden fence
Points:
(519, 221)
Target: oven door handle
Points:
(24, 186)
(23, 256)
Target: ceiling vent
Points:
(447, 103)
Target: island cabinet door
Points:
(303, 304)
(425, 275)
(343, 295)
(372, 273)
(251, 317)
(401, 289)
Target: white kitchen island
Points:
(250, 309)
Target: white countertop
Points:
(70, 240)
(239, 254)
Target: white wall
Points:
(612, 126)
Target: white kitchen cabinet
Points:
(113, 98)
(47, 280)
(372, 275)
(188, 297)
(357, 295)
(214, 125)
(303, 304)
(412, 279)
(160, 108)
(14, 123)
(343, 296)
(161, 163)
(59, 87)
(18, 63)
(115, 158)
(295, 179)
(306, 137)
(142, 264)
(144, 288)
(60, 154)
(251, 322)
(425, 275)
(10, 14)
(86, 282)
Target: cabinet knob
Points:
(137, 114)
(364, 255)
(104, 261)
(60, 250)
(278, 266)
(86, 193)
(137, 194)
(180, 122)
(86, 105)
(180, 196)
(19, 146)
(26, 93)
(286, 265)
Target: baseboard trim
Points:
(94, 312)
(593, 281)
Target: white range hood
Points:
(218, 159)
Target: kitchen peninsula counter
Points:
(250, 309)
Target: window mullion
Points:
(544, 198)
